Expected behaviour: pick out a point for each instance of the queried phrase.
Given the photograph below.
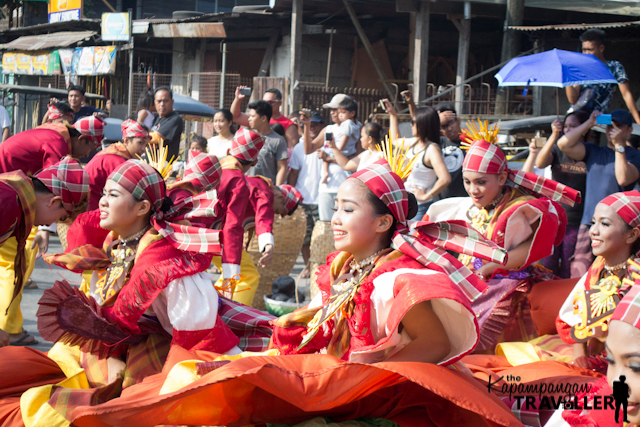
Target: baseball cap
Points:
(622, 117)
(316, 117)
(336, 100)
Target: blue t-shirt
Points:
(85, 111)
(601, 176)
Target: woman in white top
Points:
(220, 144)
(146, 108)
(370, 136)
(429, 175)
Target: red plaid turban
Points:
(627, 205)
(132, 129)
(68, 180)
(53, 112)
(423, 242)
(92, 127)
(203, 171)
(628, 309)
(145, 183)
(484, 157)
(246, 145)
(291, 197)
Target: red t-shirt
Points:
(32, 150)
(283, 121)
(99, 168)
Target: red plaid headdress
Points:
(132, 129)
(203, 171)
(291, 197)
(92, 127)
(628, 309)
(145, 183)
(246, 145)
(68, 180)
(627, 205)
(485, 157)
(423, 242)
(53, 112)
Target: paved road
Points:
(45, 275)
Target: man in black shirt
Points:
(452, 154)
(167, 123)
(75, 97)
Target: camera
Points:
(246, 91)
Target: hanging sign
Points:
(64, 10)
(115, 27)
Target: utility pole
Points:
(510, 47)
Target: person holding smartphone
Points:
(610, 169)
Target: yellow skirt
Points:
(11, 321)
(248, 284)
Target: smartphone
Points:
(382, 106)
(306, 113)
(404, 98)
(603, 119)
(540, 141)
(246, 91)
(328, 136)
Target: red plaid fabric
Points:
(203, 171)
(251, 325)
(53, 112)
(484, 157)
(627, 205)
(425, 239)
(92, 127)
(291, 197)
(246, 145)
(68, 180)
(628, 309)
(132, 129)
(145, 183)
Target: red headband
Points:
(627, 205)
(203, 171)
(92, 127)
(246, 145)
(628, 309)
(68, 180)
(291, 197)
(133, 129)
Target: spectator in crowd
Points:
(370, 139)
(304, 174)
(570, 172)
(277, 128)
(295, 118)
(80, 108)
(146, 108)
(198, 143)
(220, 144)
(598, 96)
(328, 191)
(272, 159)
(59, 112)
(429, 175)
(5, 123)
(349, 135)
(451, 153)
(610, 169)
(167, 123)
(274, 97)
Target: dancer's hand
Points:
(267, 256)
(42, 241)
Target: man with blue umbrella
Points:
(598, 96)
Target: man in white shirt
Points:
(5, 122)
(304, 174)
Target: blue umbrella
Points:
(555, 68)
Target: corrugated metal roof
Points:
(574, 26)
(48, 41)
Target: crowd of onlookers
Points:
(316, 157)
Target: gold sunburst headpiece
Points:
(397, 158)
(157, 157)
(478, 132)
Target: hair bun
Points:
(413, 206)
(167, 204)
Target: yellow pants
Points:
(250, 279)
(11, 321)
